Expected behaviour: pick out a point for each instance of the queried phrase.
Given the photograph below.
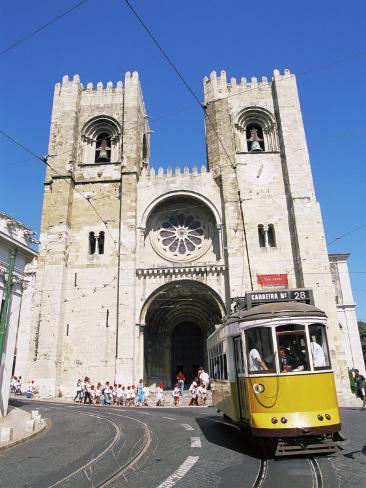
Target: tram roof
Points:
(270, 310)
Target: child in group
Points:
(119, 395)
(160, 395)
(202, 393)
(133, 395)
(124, 396)
(176, 395)
(193, 390)
(146, 394)
(140, 394)
(98, 393)
(13, 384)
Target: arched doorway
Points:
(187, 350)
(179, 317)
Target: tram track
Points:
(316, 473)
(262, 474)
(84, 474)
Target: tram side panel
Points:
(292, 403)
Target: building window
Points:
(100, 141)
(103, 148)
(266, 236)
(261, 236)
(256, 131)
(92, 243)
(101, 243)
(271, 236)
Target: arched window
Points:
(92, 243)
(101, 242)
(256, 131)
(144, 151)
(100, 141)
(266, 236)
(261, 236)
(271, 236)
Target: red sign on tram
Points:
(272, 279)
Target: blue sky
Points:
(322, 42)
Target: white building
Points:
(137, 266)
(15, 239)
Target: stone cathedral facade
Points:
(137, 265)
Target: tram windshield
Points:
(260, 350)
(319, 347)
(292, 347)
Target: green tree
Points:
(362, 331)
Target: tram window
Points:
(292, 348)
(238, 351)
(221, 368)
(319, 347)
(225, 367)
(260, 350)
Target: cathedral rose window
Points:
(181, 235)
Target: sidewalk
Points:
(18, 426)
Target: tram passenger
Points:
(317, 354)
(256, 363)
(287, 363)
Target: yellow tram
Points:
(271, 372)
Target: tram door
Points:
(240, 378)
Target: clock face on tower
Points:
(260, 172)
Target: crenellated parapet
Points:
(166, 173)
(217, 86)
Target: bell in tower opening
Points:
(103, 149)
(255, 141)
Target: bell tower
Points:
(99, 144)
(256, 148)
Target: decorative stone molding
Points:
(213, 269)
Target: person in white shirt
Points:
(146, 394)
(202, 394)
(318, 355)
(160, 395)
(256, 363)
(204, 378)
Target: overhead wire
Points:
(42, 27)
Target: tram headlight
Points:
(258, 388)
(284, 420)
(274, 420)
(320, 417)
(327, 416)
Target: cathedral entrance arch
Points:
(179, 317)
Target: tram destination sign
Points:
(304, 295)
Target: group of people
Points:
(127, 396)
(198, 388)
(112, 393)
(16, 387)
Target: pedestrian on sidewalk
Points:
(146, 394)
(140, 394)
(79, 389)
(202, 394)
(193, 390)
(105, 391)
(181, 379)
(176, 395)
(87, 387)
(360, 387)
(160, 395)
(203, 377)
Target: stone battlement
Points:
(217, 86)
(169, 172)
(130, 78)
